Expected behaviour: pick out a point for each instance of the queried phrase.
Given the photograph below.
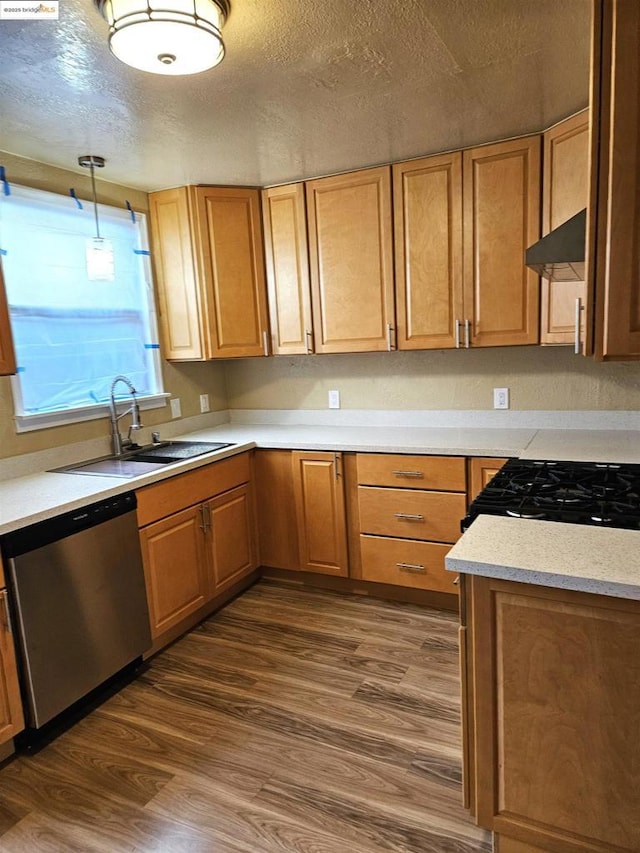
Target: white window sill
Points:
(28, 423)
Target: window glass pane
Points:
(73, 335)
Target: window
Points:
(72, 335)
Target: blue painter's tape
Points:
(141, 252)
(131, 211)
(3, 251)
(5, 183)
(73, 195)
(152, 346)
(20, 369)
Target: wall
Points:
(186, 381)
(540, 378)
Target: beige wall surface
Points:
(186, 381)
(539, 378)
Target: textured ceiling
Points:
(306, 88)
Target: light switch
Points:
(204, 403)
(334, 399)
(176, 411)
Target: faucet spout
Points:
(120, 443)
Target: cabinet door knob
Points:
(578, 317)
(467, 333)
(265, 342)
(7, 613)
(414, 474)
(309, 336)
(407, 516)
(457, 334)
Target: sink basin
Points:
(143, 460)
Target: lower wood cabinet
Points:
(11, 716)
(482, 469)
(192, 554)
(409, 510)
(552, 692)
(320, 512)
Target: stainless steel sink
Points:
(143, 460)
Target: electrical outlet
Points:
(204, 403)
(334, 399)
(176, 411)
(500, 398)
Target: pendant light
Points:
(166, 36)
(99, 252)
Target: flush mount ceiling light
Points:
(166, 36)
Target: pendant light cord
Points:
(95, 199)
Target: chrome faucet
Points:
(120, 443)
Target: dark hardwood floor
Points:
(291, 721)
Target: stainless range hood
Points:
(559, 256)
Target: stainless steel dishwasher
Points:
(79, 604)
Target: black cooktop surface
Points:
(576, 492)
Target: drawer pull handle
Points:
(417, 474)
(407, 516)
(410, 567)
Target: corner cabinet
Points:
(318, 485)
(351, 261)
(7, 352)
(11, 716)
(287, 258)
(614, 211)
(501, 218)
(207, 248)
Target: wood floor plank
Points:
(293, 721)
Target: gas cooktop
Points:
(575, 492)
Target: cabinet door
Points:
(181, 311)
(11, 717)
(350, 250)
(482, 469)
(427, 202)
(276, 503)
(501, 219)
(557, 691)
(231, 540)
(232, 266)
(287, 259)
(565, 192)
(614, 261)
(320, 512)
(175, 567)
(7, 352)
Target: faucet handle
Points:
(155, 437)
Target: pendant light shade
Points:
(166, 36)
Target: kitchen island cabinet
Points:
(11, 716)
(549, 638)
(209, 265)
(198, 540)
(7, 352)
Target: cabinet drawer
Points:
(172, 495)
(403, 562)
(411, 514)
(444, 473)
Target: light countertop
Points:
(601, 560)
(38, 494)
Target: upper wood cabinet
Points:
(287, 259)
(565, 192)
(208, 258)
(427, 200)
(7, 352)
(501, 218)
(351, 261)
(614, 209)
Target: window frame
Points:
(27, 422)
